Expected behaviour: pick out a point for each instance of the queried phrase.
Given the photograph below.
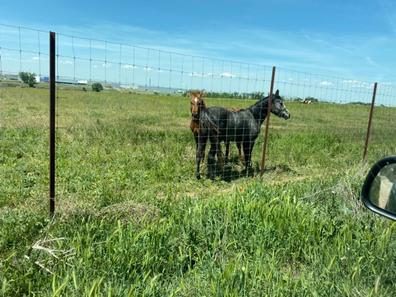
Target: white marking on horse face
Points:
(195, 105)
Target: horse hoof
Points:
(198, 176)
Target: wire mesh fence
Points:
(329, 122)
(23, 117)
(383, 142)
(137, 129)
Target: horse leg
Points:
(200, 154)
(194, 130)
(220, 157)
(238, 144)
(219, 153)
(227, 153)
(247, 151)
(196, 140)
(211, 157)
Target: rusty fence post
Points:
(268, 122)
(369, 122)
(52, 123)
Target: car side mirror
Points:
(379, 188)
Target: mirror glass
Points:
(383, 189)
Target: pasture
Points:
(132, 220)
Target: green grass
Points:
(132, 219)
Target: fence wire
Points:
(23, 118)
(328, 121)
(383, 133)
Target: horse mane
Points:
(256, 108)
(234, 109)
(206, 121)
(259, 102)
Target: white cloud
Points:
(128, 66)
(195, 74)
(227, 74)
(353, 83)
(200, 74)
(326, 83)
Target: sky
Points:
(352, 40)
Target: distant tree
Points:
(97, 87)
(28, 78)
(312, 99)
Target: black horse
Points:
(220, 124)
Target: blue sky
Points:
(349, 39)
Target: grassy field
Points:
(133, 221)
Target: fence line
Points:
(121, 65)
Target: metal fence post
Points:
(369, 122)
(52, 123)
(267, 123)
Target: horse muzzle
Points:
(285, 115)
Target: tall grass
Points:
(132, 219)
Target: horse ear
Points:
(277, 93)
(202, 93)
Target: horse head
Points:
(278, 106)
(196, 103)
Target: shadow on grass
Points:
(234, 169)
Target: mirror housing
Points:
(379, 189)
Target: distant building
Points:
(11, 76)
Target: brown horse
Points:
(197, 104)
